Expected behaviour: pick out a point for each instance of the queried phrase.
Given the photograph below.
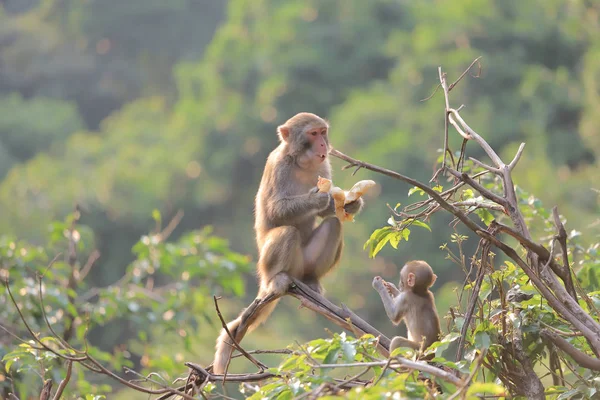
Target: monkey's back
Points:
(422, 320)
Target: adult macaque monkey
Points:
(287, 206)
(412, 302)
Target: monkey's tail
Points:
(224, 349)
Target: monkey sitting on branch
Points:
(288, 203)
(412, 302)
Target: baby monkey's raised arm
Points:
(412, 302)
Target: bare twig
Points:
(515, 160)
(485, 253)
(562, 239)
(94, 256)
(64, 382)
(485, 166)
(475, 61)
(164, 235)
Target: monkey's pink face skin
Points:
(319, 146)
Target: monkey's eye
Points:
(314, 133)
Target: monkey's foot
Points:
(279, 285)
(314, 285)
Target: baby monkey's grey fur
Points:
(289, 241)
(412, 302)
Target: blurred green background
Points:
(126, 106)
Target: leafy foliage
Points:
(168, 284)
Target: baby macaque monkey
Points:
(412, 302)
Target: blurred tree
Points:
(30, 127)
(101, 54)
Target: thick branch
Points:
(578, 356)
(341, 316)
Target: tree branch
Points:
(578, 356)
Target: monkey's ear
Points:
(284, 133)
(410, 279)
(433, 279)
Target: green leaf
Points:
(378, 239)
(438, 188)
(395, 239)
(8, 363)
(489, 388)
(348, 351)
(405, 233)
(285, 395)
(332, 356)
(568, 395)
(290, 363)
(485, 216)
(482, 340)
(421, 224)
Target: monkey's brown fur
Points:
(287, 205)
(412, 302)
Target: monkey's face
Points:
(313, 146)
(306, 136)
(317, 142)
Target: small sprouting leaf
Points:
(156, 215)
(438, 188)
(416, 190)
(468, 194)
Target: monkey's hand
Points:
(320, 199)
(391, 288)
(355, 206)
(378, 283)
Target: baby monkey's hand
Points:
(378, 282)
(390, 287)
